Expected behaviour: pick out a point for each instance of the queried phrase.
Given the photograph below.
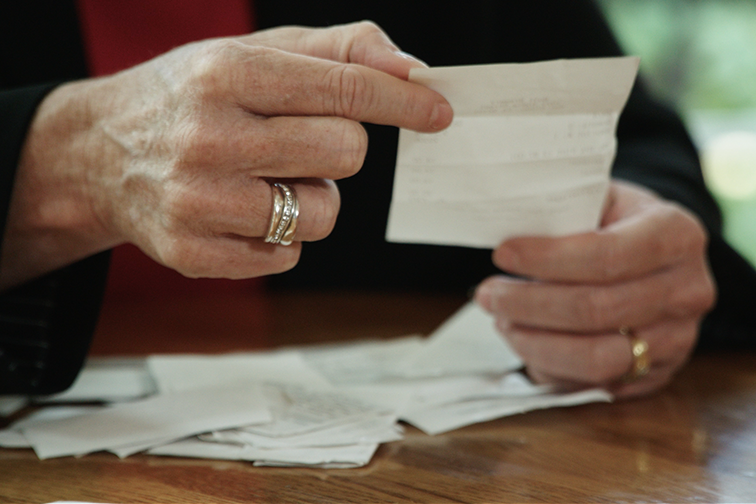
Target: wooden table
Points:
(695, 441)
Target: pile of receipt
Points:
(319, 406)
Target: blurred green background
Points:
(700, 56)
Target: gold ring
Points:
(283, 218)
(639, 351)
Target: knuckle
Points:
(701, 298)
(220, 65)
(352, 149)
(698, 293)
(595, 306)
(348, 91)
(690, 236)
(194, 140)
(697, 240)
(367, 27)
(204, 75)
(695, 298)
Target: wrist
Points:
(52, 219)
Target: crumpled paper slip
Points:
(10, 438)
(107, 379)
(365, 430)
(178, 372)
(161, 417)
(444, 417)
(363, 361)
(466, 343)
(13, 437)
(297, 410)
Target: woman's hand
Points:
(644, 269)
(177, 155)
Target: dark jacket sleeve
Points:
(45, 325)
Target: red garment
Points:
(119, 34)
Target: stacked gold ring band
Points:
(283, 218)
(639, 349)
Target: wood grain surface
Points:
(693, 442)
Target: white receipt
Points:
(158, 418)
(467, 343)
(529, 152)
(108, 379)
(187, 372)
(446, 417)
(299, 409)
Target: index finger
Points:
(272, 82)
(363, 42)
(631, 247)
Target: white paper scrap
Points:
(446, 417)
(467, 342)
(297, 409)
(126, 450)
(108, 379)
(364, 361)
(412, 393)
(378, 429)
(186, 372)
(10, 438)
(56, 412)
(390, 395)
(529, 152)
(161, 417)
(12, 404)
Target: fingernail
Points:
(441, 116)
(412, 58)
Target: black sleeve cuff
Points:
(45, 325)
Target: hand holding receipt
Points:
(610, 280)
